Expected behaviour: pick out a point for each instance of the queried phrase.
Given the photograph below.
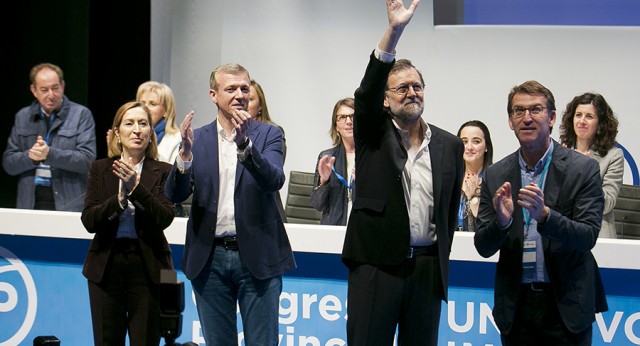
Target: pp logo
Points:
(18, 299)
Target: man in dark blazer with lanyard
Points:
(236, 247)
(541, 207)
(401, 226)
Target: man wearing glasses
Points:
(541, 207)
(405, 211)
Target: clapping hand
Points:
(126, 171)
(471, 185)
(39, 151)
(325, 167)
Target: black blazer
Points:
(332, 198)
(573, 193)
(153, 214)
(378, 228)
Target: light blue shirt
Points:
(537, 175)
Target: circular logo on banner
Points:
(18, 299)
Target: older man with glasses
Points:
(405, 212)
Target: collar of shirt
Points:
(406, 140)
(539, 166)
(223, 134)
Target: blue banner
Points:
(43, 292)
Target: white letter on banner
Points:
(307, 301)
(485, 314)
(196, 335)
(452, 318)
(12, 297)
(608, 334)
(327, 304)
(289, 314)
(335, 342)
(628, 328)
(308, 341)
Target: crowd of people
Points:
(543, 207)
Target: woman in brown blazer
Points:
(126, 209)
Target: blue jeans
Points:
(224, 282)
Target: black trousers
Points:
(126, 301)
(406, 296)
(538, 322)
(44, 198)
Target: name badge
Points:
(529, 254)
(43, 175)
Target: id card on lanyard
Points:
(43, 171)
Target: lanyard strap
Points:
(49, 126)
(541, 181)
(342, 179)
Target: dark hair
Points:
(405, 64)
(605, 136)
(335, 135)
(532, 87)
(488, 156)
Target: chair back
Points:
(299, 208)
(627, 212)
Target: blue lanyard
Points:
(48, 136)
(342, 179)
(461, 211)
(541, 181)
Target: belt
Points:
(537, 286)
(229, 243)
(431, 250)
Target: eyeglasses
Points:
(404, 89)
(343, 117)
(534, 111)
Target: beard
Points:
(407, 112)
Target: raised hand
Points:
(398, 15)
(325, 165)
(187, 137)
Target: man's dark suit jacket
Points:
(332, 198)
(262, 239)
(378, 228)
(153, 214)
(573, 193)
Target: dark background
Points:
(103, 47)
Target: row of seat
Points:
(299, 210)
(627, 212)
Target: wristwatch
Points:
(474, 200)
